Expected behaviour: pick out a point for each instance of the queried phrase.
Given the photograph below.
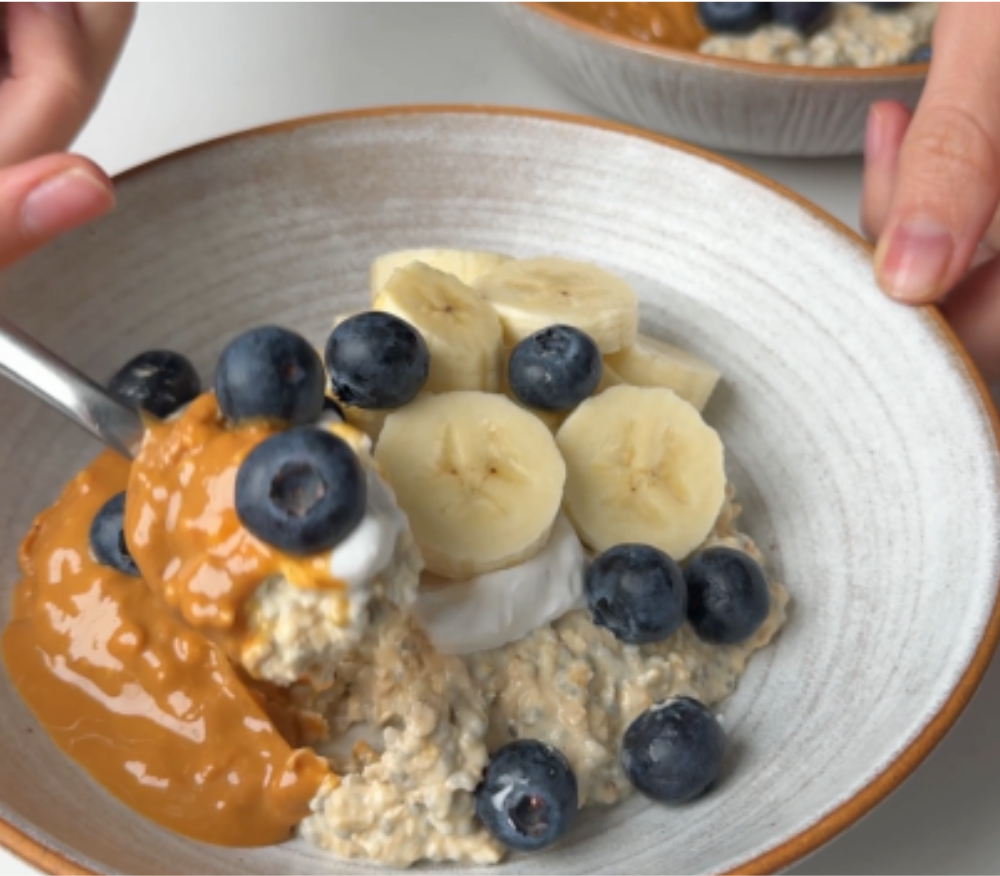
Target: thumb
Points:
(948, 183)
(43, 198)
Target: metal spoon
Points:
(61, 386)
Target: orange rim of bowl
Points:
(753, 68)
(811, 838)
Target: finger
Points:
(887, 124)
(973, 309)
(46, 197)
(105, 27)
(60, 56)
(948, 183)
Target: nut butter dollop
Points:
(183, 531)
(148, 706)
(673, 25)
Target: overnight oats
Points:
(799, 34)
(421, 596)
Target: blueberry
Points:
(727, 595)
(302, 491)
(733, 17)
(158, 381)
(673, 752)
(806, 18)
(107, 537)
(270, 373)
(637, 592)
(886, 7)
(376, 360)
(528, 798)
(920, 55)
(555, 368)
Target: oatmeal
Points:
(856, 36)
(568, 683)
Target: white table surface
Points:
(192, 72)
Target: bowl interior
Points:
(864, 453)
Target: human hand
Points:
(932, 184)
(55, 59)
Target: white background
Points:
(192, 72)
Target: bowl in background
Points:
(862, 446)
(762, 109)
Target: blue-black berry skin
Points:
(376, 360)
(107, 537)
(529, 796)
(920, 55)
(806, 18)
(637, 592)
(554, 369)
(270, 373)
(733, 17)
(672, 753)
(159, 382)
(302, 491)
(728, 597)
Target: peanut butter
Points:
(674, 25)
(149, 707)
(183, 531)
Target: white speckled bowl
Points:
(765, 109)
(860, 441)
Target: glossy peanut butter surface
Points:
(149, 707)
(183, 531)
(674, 25)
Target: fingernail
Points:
(65, 201)
(874, 133)
(910, 263)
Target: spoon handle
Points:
(60, 385)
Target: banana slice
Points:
(467, 265)
(649, 362)
(609, 378)
(368, 420)
(642, 466)
(480, 479)
(532, 294)
(462, 331)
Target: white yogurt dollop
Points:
(497, 608)
(369, 549)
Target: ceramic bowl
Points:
(764, 109)
(858, 438)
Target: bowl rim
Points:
(759, 69)
(845, 814)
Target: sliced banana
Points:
(642, 466)
(462, 331)
(532, 294)
(609, 378)
(369, 421)
(467, 265)
(480, 479)
(650, 362)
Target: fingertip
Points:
(912, 260)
